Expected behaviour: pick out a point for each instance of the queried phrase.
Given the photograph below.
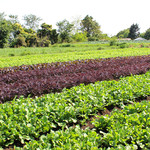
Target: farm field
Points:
(76, 100)
(46, 78)
(65, 48)
(28, 56)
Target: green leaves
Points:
(126, 128)
(72, 138)
(28, 119)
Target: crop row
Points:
(25, 120)
(52, 66)
(122, 130)
(70, 56)
(54, 78)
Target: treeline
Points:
(32, 34)
(133, 33)
(29, 34)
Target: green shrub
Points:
(100, 48)
(11, 54)
(67, 45)
(80, 37)
(122, 45)
(18, 42)
(25, 53)
(113, 42)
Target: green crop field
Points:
(65, 48)
(105, 115)
(60, 53)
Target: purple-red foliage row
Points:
(41, 79)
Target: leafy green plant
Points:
(26, 119)
(54, 54)
(11, 54)
(113, 42)
(122, 45)
(128, 127)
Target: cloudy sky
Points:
(112, 15)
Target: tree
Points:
(44, 35)
(64, 29)
(18, 35)
(32, 21)
(13, 19)
(2, 16)
(91, 27)
(18, 42)
(5, 29)
(123, 33)
(80, 37)
(134, 31)
(31, 37)
(142, 35)
(54, 36)
(76, 25)
(45, 31)
(47, 35)
(147, 34)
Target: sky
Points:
(112, 15)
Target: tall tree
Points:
(54, 36)
(147, 34)
(134, 31)
(47, 34)
(32, 21)
(2, 16)
(13, 19)
(45, 31)
(64, 29)
(91, 27)
(123, 33)
(31, 37)
(76, 25)
(5, 29)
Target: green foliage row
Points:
(72, 47)
(133, 32)
(62, 55)
(13, 34)
(128, 129)
(27, 119)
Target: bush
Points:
(67, 45)
(122, 45)
(80, 37)
(100, 48)
(113, 42)
(18, 42)
(43, 42)
(11, 54)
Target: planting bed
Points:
(91, 104)
(40, 79)
(67, 55)
(45, 122)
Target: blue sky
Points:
(112, 15)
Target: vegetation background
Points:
(32, 34)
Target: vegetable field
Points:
(30, 59)
(96, 102)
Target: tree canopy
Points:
(123, 34)
(32, 21)
(32, 33)
(5, 29)
(134, 31)
(147, 34)
(64, 28)
(91, 27)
